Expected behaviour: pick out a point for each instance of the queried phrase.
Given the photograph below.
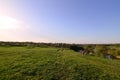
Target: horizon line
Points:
(59, 42)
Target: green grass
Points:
(22, 63)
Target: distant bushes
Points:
(33, 44)
(76, 48)
(101, 50)
(106, 50)
(114, 53)
(98, 50)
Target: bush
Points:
(101, 50)
(114, 52)
(76, 48)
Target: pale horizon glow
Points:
(8, 23)
(12, 29)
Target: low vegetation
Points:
(51, 63)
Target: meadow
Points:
(23, 63)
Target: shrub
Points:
(101, 50)
(76, 48)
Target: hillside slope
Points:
(22, 63)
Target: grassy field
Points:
(22, 63)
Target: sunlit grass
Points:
(22, 63)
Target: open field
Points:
(22, 63)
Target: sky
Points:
(60, 21)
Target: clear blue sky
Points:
(70, 21)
